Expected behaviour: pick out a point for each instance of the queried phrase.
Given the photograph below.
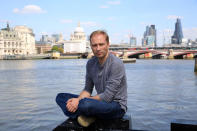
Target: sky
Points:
(120, 18)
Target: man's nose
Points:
(98, 47)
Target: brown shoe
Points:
(85, 121)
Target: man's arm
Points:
(96, 97)
(113, 84)
(84, 94)
(72, 104)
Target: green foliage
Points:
(55, 48)
(61, 50)
(58, 49)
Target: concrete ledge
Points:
(123, 124)
(183, 125)
(99, 125)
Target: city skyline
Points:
(178, 34)
(120, 18)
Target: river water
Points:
(159, 91)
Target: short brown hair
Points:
(100, 32)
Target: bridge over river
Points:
(156, 54)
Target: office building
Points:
(133, 41)
(57, 37)
(178, 34)
(150, 37)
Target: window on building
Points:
(5, 51)
(14, 35)
(6, 35)
(10, 35)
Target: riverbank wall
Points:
(81, 56)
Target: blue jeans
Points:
(90, 107)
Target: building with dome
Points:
(19, 40)
(78, 42)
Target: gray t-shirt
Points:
(109, 80)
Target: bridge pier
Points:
(125, 55)
(170, 54)
(148, 55)
(190, 56)
(142, 56)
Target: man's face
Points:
(99, 45)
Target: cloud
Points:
(117, 38)
(117, 2)
(167, 30)
(29, 9)
(44, 33)
(173, 17)
(145, 23)
(104, 6)
(114, 2)
(65, 21)
(164, 36)
(111, 18)
(190, 33)
(89, 24)
(3, 21)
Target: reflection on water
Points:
(196, 78)
(158, 92)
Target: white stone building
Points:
(78, 42)
(17, 41)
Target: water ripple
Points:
(158, 92)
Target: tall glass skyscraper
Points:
(133, 41)
(178, 34)
(150, 36)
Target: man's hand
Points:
(72, 104)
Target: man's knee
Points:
(59, 97)
(85, 105)
(63, 97)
